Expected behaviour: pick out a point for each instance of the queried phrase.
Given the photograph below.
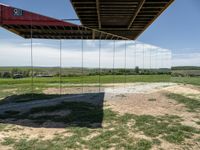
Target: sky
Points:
(177, 29)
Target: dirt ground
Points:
(139, 99)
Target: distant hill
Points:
(186, 68)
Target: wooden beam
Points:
(156, 16)
(136, 12)
(98, 13)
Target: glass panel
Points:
(15, 70)
(71, 66)
(46, 64)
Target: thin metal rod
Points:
(125, 75)
(31, 62)
(60, 67)
(99, 65)
(162, 58)
(82, 50)
(143, 58)
(135, 54)
(113, 71)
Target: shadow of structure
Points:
(53, 111)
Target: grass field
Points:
(186, 80)
(23, 85)
(117, 131)
(92, 127)
(90, 79)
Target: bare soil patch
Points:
(137, 99)
(186, 90)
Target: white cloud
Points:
(19, 54)
(186, 59)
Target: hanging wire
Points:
(82, 63)
(113, 71)
(143, 58)
(162, 58)
(155, 57)
(125, 75)
(31, 61)
(135, 52)
(99, 65)
(60, 67)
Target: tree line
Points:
(24, 73)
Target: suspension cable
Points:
(143, 57)
(60, 67)
(135, 52)
(125, 75)
(113, 71)
(99, 65)
(82, 63)
(31, 61)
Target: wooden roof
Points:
(127, 18)
(31, 25)
(101, 19)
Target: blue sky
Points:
(177, 29)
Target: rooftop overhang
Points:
(127, 18)
(101, 19)
(31, 25)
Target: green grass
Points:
(90, 79)
(82, 116)
(192, 104)
(152, 99)
(44, 82)
(187, 80)
(8, 141)
(21, 86)
(118, 133)
(168, 127)
(2, 127)
(28, 97)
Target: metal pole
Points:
(82, 63)
(99, 65)
(135, 54)
(31, 62)
(60, 66)
(143, 57)
(113, 65)
(125, 63)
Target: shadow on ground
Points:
(53, 111)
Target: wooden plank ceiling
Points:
(32, 25)
(127, 18)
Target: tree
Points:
(6, 75)
(137, 70)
